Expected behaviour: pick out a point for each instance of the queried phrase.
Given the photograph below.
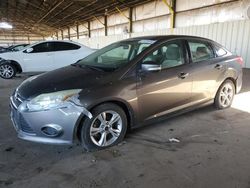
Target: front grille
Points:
(20, 122)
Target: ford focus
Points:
(122, 86)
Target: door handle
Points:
(183, 75)
(218, 66)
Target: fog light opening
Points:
(51, 130)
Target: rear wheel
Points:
(7, 71)
(106, 128)
(225, 95)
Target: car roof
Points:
(69, 41)
(166, 37)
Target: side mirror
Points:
(28, 50)
(150, 66)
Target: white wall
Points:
(10, 40)
(227, 23)
(235, 36)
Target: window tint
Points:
(220, 51)
(43, 47)
(118, 54)
(169, 55)
(200, 51)
(61, 46)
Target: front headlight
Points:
(51, 100)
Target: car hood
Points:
(65, 78)
(8, 55)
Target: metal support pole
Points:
(130, 19)
(106, 25)
(77, 31)
(69, 32)
(89, 31)
(62, 34)
(172, 12)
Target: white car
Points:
(41, 57)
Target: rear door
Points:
(207, 71)
(167, 90)
(66, 53)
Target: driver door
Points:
(166, 90)
(40, 58)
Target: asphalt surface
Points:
(214, 151)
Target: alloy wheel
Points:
(106, 128)
(226, 95)
(6, 71)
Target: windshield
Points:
(115, 55)
(18, 48)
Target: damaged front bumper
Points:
(55, 126)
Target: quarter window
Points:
(200, 51)
(168, 55)
(220, 51)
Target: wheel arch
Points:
(233, 80)
(227, 78)
(122, 104)
(16, 64)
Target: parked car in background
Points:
(17, 47)
(41, 57)
(122, 86)
(13, 48)
(3, 49)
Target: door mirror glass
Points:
(29, 50)
(150, 66)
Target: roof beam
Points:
(51, 10)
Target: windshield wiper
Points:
(93, 67)
(76, 65)
(88, 66)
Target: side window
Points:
(168, 55)
(43, 47)
(200, 51)
(61, 46)
(219, 51)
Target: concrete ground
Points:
(214, 151)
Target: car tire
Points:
(106, 128)
(7, 70)
(225, 94)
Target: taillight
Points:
(240, 60)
